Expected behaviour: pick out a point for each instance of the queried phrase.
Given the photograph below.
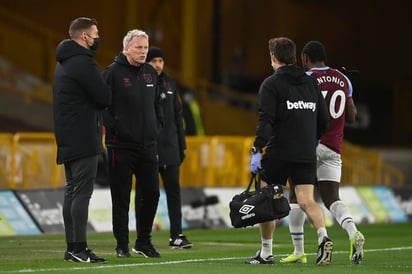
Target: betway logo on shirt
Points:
(301, 105)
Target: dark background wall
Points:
(230, 42)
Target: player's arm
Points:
(351, 110)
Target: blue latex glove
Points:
(255, 162)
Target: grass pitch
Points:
(388, 249)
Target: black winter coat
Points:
(292, 115)
(79, 96)
(135, 117)
(172, 142)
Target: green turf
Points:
(388, 249)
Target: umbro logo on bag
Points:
(245, 209)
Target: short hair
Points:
(80, 24)
(133, 33)
(284, 49)
(315, 51)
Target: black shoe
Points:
(68, 256)
(87, 256)
(325, 252)
(180, 242)
(147, 250)
(257, 259)
(122, 253)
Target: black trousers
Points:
(170, 177)
(123, 164)
(80, 179)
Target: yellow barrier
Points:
(216, 161)
(6, 140)
(363, 167)
(33, 162)
(28, 160)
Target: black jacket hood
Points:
(122, 60)
(69, 48)
(292, 74)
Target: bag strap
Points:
(254, 179)
(257, 181)
(250, 182)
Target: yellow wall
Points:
(27, 161)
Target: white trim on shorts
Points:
(329, 164)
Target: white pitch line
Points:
(106, 266)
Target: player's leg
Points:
(296, 228)
(303, 176)
(329, 175)
(265, 254)
(273, 172)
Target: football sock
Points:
(343, 216)
(266, 248)
(321, 233)
(296, 229)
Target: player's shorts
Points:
(329, 164)
(275, 171)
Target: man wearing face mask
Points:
(79, 96)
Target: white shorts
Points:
(329, 164)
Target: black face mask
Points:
(96, 44)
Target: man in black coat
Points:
(171, 145)
(292, 118)
(79, 96)
(133, 122)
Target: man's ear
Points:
(305, 58)
(274, 59)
